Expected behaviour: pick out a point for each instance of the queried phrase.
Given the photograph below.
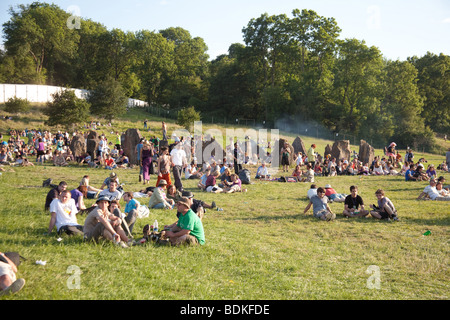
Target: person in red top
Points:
(110, 163)
(333, 195)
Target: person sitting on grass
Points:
(297, 172)
(409, 174)
(333, 196)
(59, 160)
(312, 191)
(54, 194)
(211, 185)
(385, 209)
(431, 172)
(158, 199)
(202, 183)
(236, 185)
(420, 175)
(131, 211)
(63, 215)
(101, 223)
(110, 164)
(9, 283)
(442, 191)
(354, 204)
(262, 172)
(188, 229)
(112, 193)
(321, 209)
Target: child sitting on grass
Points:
(385, 209)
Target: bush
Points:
(17, 105)
(66, 110)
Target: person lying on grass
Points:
(354, 204)
(385, 209)
(431, 192)
(321, 209)
(333, 196)
(188, 229)
(8, 281)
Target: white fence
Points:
(42, 93)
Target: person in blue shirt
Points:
(409, 174)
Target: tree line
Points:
(292, 67)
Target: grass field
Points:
(261, 247)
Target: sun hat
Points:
(187, 194)
(162, 182)
(184, 201)
(327, 186)
(103, 198)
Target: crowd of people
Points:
(169, 163)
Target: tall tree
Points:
(434, 85)
(39, 30)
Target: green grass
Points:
(261, 246)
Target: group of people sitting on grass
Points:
(105, 218)
(353, 204)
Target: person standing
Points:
(447, 159)
(146, 160)
(138, 151)
(164, 164)
(178, 156)
(164, 131)
(237, 163)
(312, 155)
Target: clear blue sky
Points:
(399, 28)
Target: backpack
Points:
(13, 256)
(244, 176)
(143, 211)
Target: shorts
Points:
(186, 239)
(96, 233)
(320, 213)
(71, 230)
(6, 270)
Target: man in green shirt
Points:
(188, 229)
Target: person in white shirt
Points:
(312, 191)
(63, 215)
(432, 192)
(178, 162)
(262, 172)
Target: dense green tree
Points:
(108, 99)
(434, 85)
(39, 31)
(357, 84)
